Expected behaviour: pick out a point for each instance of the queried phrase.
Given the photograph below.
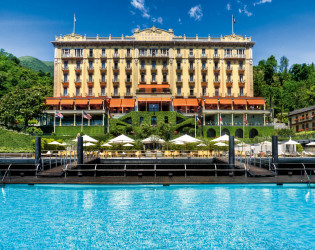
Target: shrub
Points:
(34, 131)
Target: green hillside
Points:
(14, 142)
(37, 65)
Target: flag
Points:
(109, 116)
(86, 116)
(197, 119)
(245, 121)
(233, 19)
(221, 122)
(59, 115)
(75, 20)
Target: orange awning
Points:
(53, 102)
(128, 103)
(96, 101)
(66, 102)
(256, 102)
(179, 102)
(115, 103)
(81, 102)
(154, 99)
(240, 102)
(211, 101)
(192, 102)
(153, 86)
(141, 99)
(226, 101)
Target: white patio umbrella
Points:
(54, 143)
(106, 145)
(221, 144)
(86, 138)
(179, 143)
(128, 145)
(89, 144)
(265, 143)
(121, 140)
(153, 139)
(310, 144)
(201, 145)
(63, 144)
(291, 142)
(223, 138)
(186, 139)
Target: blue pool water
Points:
(157, 217)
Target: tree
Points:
(284, 64)
(23, 103)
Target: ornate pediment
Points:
(235, 37)
(70, 37)
(153, 34)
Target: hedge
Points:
(263, 131)
(74, 130)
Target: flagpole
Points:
(195, 125)
(82, 122)
(55, 122)
(220, 124)
(74, 23)
(108, 120)
(244, 127)
(232, 25)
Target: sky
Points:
(279, 27)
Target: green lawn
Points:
(15, 142)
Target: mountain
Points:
(37, 65)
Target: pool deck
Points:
(159, 180)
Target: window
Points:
(91, 53)
(65, 52)
(142, 78)
(142, 64)
(153, 52)
(103, 77)
(228, 77)
(103, 64)
(153, 64)
(179, 90)
(216, 65)
(153, 120)
(164, 78)
(241, 78)
(191, 52)
(178, 65)
(78, 52)
(90, 78)
(90, 91)
(115, 77)
(128, 64)
(191, 90)
(65, 91)
(240, 52)
(164, 52)
(203, 52)
(65, 78)
(141, 120)
(216, 77)
(164, 64)
(204, 64)
(90, 64)
(165, 119)
(240, 64)
(228, 65)
(103, 91)
(191, 65)
(115, 64)
(229, 93)
(103, 52)
(128, 77)
(77, 91)
(128, 90)
(204, 90)
(216, 53)
(178, 77)
(204, 78)
(115, 90)
(191, 77)
(178, 52)
(115, 52)
(228, 52)
(153, 78)
(128, 52)
(241, 91)
(77, 78)
(216, 91)
(78, 65)
(65, 64)
(142, 52)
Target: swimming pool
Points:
(157, 217)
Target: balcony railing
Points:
(216, 56)
(191, 55)
(178, 55)
(89, 80)
(72, 55)
(65, 68)
(128, 94)
(216, 68)
(128, 54)
(203, 55)
(116, 55)
(116, 94)
(90, 94)
(153, 54)
(78, 68)
(103, 55)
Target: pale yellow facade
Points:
(185, 66)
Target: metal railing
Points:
(5, 174)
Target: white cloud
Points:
(228, 6)
(262, 2)
(245, 11)
(158, 20)
(196, 12)
(180, 21)
(139, 5)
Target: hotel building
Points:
(154, 70)
(302, 119)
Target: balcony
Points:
(191, 82)
(91, 56)
(102, 81)
(229, 82)
(216, 83)
(215, 55)
(153, 70)
(178, 55)
(191, 69)
(142, 55)
(179, 81)
(142, 69)
(116, 81)
(115, 69)
(179, 69)
(204, 56)
(242, 95)
(128, 81)
(233, 56)
(164, 70)
(65, 82)
(90, 81)
(128, 69)
(103, 69)
(72, 56)
(229, 70)
(241, 70)
(115, 94)
(116, 56)
(241, 83)
(78, 69)
(216, 69)
(191, 55)
(65, 69)
(90, 69)
(229, 95)
(91, 94)
(217, 94)
(128, 55)
(103, 56)
(128, 94)
(153, 55)
(77, 82)
(204, 69)
(204, 82)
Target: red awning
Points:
(66, 102)
(153, 86)
(225, 101)
(115, 103)
(96, 101)
(52, 102)
(81, 102)
(256, 101)
(240, 102)
(179, 102)
(211, 101)
(192, 102)
(128, 103)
